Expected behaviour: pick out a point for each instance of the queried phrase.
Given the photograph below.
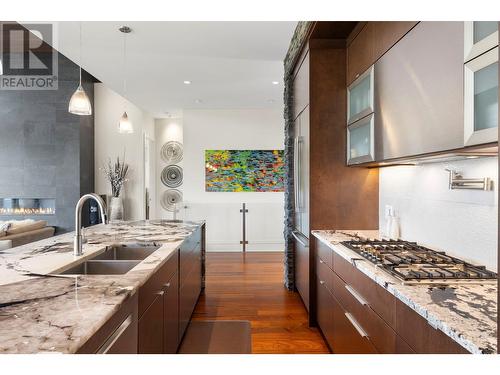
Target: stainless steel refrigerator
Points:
(301, 196)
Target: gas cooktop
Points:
(409, 261)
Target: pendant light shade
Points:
(124, 125)
(79, 104)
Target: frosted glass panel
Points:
(360, 141)
(359, 97)
(486, 97)
(484, 28)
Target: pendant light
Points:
(124, 125)
(79, 104)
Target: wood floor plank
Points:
(250, 287)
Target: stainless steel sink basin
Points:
(101, 267)
(126, 253)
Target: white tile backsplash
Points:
(463, 223)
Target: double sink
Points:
(115, 260)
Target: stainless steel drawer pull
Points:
(356, 325)
(321, 261)
(356, 295)
(321, 282)
(108, 344)
(167, 285)
(160, 293)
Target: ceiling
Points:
(230, 64)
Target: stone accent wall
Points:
(298, 40)
(45, 151)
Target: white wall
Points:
(166, 130)
(463, 223)
(109, 107)
(232, 129)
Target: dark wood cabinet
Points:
(171, 315)
(423, 338)
(324, 311)
(118, 335)
(151, 327)
(348, 338)
(190, 280)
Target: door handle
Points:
(296, 236)
(296, 172)
(356, 295)
(356, 325)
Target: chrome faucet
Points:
(77, 247)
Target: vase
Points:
(116, 209)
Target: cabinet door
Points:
(360, 141)
(481, 99)
(360, 53)
(171, 315)
(151, 328)
(301, 87)
(324, 312)
(360, 97)
(188, 295)
(387, 33)
(479, 37)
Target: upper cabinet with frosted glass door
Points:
(480, 82)
(360, 104)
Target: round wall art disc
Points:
(170, 198)
(171, 176)
(171, 152)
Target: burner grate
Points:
(410, 261)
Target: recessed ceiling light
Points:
(187, 82)
(270, 100)
(198, 101)
(275, 82)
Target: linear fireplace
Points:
(27, 206)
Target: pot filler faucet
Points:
(77, 248)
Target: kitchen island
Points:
(466, 312)
(42, 310)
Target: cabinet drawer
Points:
(302, 272)
(423, 338)
(187, 261)
(324, 274)
(148, 292)
(347, 339)
(381, 301)
(378, 332)
(325, 253)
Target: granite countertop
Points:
(40, 312)
(466, 312)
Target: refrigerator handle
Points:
(296, 172)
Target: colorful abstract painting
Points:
(244, 170)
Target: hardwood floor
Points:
(250, 287)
